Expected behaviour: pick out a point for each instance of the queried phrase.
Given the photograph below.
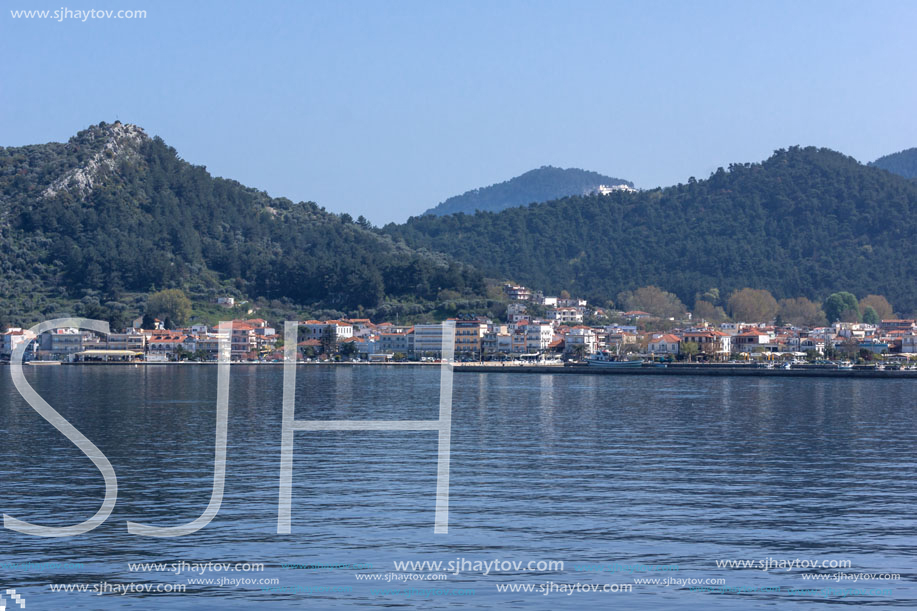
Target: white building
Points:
(393, 343)
(362, 327)
(566, 315)
(317, 329)
(13, 338)
(515, 312)
(538, 337)
(580, 336)
(519, 293)
(60, 343)
(428, 340)
(609, 189)
(132, 340)
(664, 344)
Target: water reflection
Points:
(668, 470)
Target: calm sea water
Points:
(587, 470)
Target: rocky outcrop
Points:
(119, 142)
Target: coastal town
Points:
(537, 329)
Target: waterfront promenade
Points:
(677, 369)
(696, 369)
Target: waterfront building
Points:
(468, 336)
(664, 344)
(580, 336)
(428, 340)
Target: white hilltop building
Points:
(608, 190)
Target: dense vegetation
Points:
(150, 220)
(806, 222)
(92, 226)
(903, 163)
(541, 185)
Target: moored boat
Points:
(606, 359)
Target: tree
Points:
(113, 312)
(775, 210)
(329, 340)
(349, 349)
(850, 315)
(708, 349)
(842, 306)
(801, 312)
(653, 300)
(850, 346)
(870, 316)
(170, 304)
(878, 303)
(689, 349)
(709, 312)
(752, 305)
(578, 352)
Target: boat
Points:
(606, 359)
(45, 363)
(845, 365)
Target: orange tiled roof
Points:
(168, 340)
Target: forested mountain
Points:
(805, 222)
(114, 211)
(903, 163)
(541, 185)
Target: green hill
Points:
(115, 212)
(805, 222)
(903, 163)
(541, 185)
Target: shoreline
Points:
(810, 371)
(210, 363)
(682, 369)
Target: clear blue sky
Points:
(387, 108)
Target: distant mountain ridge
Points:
(114, 212)
(902, 163)
(543, 184)
(805, 222)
